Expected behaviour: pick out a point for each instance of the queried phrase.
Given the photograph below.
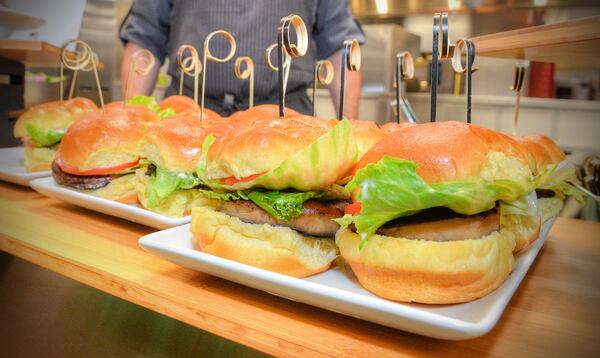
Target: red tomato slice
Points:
(233, 180)
(353, 209)
(97, 171)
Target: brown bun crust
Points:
(236, 152)
(391, 127)
(555, 153)
(438, 159)
(262, 111)
(429, 271)
(273, 248)
(54, 115)
(366, 134)
(175, 142)
(105, 138)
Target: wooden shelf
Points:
(569, 44)
(32, 53)
(554, 312)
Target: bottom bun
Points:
(274, 248)
(549, 207)
(37, 159)
(433, 272)
(121, 189)
(525, 228)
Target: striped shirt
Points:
(162, 26)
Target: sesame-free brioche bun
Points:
(186, 105)
(175, 143)
(391, 127)
(433, 272)
(274, 248)
(262, 111)
(247, 150)
(366, 134)
(53, 115)
(105, 138)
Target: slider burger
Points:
(100, 152)
(173, 146)
(366, 134)
(427, 224)
(42, 127)
(185, 105)
(275, 195)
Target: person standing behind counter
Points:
(161, 26)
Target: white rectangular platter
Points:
(131, 212)
(12, 169)
(338, 290)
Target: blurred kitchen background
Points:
(560, 100)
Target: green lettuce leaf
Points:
(318, 165)
(557, 178)
(525, 205)
(391, 188)
(165, 182)
(44, 137)
(167, 112)
(283, 206)
(146, 101)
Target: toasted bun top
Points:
(391, 127)
(252, 149)
(262, 111)
(105, 138)
(186, 105)
(446, 151)
(53, 115)
(366, 134)
(175, 142)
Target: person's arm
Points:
(139, 85)
(146, 26)
(334, 25)
(352, 93)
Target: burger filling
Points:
(85, 182)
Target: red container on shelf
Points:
(541, 79)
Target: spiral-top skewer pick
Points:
(84, 60)
(350, 61)
(248, 72)
(142, 62)
(189, 66)
(286, 46)
(321, 78)
(457, 65)
(405, 69)
(520, 69)
(209, 56)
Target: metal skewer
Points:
(319, 77)
(405, 69)
(84, 60)
(440, 33)
(247, 73)
(520, 69)
(457, 65)
(271, 66)
(142, 62)
(350, 61)
(209, 56)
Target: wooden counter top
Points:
(555, 311)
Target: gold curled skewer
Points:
(248, 72)
(189, 66)
(209, 56)
(468, 69)
(350, 61)
(285, 47)
(520, 68)
(405, 69)
(84, 60)
(80, 61)
(142, 62)
(319, 77)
